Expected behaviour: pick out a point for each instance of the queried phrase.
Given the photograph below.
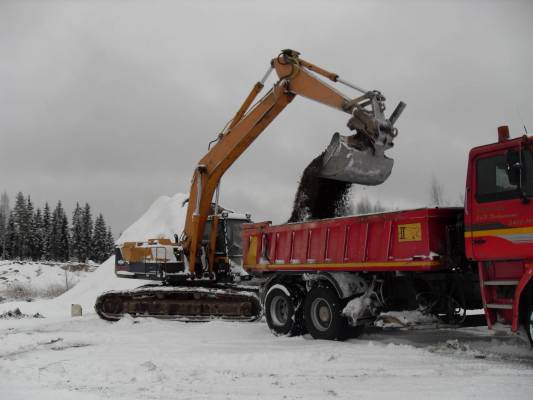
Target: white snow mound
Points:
(84, 293)
(164, 219)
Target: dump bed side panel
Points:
(413, 240)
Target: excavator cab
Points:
(162, 259)
(228, 246)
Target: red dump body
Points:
(412, 240)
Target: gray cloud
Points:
(114, 102)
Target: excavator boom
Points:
(201, 271)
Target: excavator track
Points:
(193, 303)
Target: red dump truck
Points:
(325, 276)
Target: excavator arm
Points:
(353, 159)
(358, 158)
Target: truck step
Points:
(500, 306)
(501, 283)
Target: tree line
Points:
(27, 233)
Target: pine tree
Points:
(64, 239)
(38, 235)
(27, 226)
(19, 214)
(110, 242)
(98, 248)
(76, 234)
(47, 222)
(12, 240)
(4, 215)
(57, 237)
(27, 232)
(86, 232)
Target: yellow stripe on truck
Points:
(353, 264)
(500, 232)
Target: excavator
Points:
(200, 275)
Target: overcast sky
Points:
(114, 102)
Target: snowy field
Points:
(87, 358)
(60, 357)
(34, 280)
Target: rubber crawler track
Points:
(190, 303)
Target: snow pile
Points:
(454, 346)
(164, 219)
(400, 319)
(356, 307)
(102, 280)
(84, 293)
(17, 314)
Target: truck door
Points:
(500, 220)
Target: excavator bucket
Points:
(361, 158)
(361, 164)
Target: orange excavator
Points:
(200, 275)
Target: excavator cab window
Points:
(233, 236)
(229, 241)
(220, 246)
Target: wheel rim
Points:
(279, 310)
(321, 314)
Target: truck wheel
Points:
(281, 311)
(323, 315)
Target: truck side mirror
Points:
(513, 166)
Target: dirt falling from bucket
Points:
(318, 198)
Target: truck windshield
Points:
(494, 183)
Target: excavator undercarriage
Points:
(198, 301)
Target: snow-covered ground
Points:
(61, 357)
(87, 358)
(31, 280)
(84, 293)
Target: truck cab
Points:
(499, 226)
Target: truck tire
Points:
(323, 314)
(282, 311)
